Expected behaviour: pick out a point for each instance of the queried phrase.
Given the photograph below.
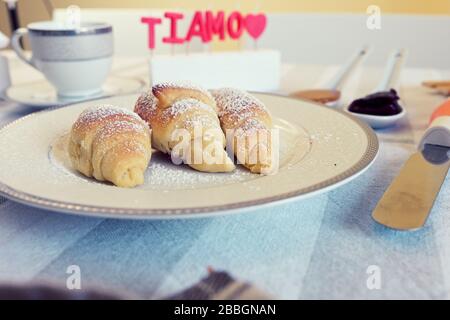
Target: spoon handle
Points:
(348, 68)
(392, 71)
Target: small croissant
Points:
(185, 124)
(111, 144)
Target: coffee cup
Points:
(75, 60)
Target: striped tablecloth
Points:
(323, 247)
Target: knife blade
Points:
(408, 201)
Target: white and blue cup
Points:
(76, 61)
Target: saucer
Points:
(41, 94)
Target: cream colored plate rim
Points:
(358, 168)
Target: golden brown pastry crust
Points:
(249, 123)
(112, 144)
(168, 93)
(177, 107)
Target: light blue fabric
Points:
(315, 248)
(157, 258)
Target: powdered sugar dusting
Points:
(146, 105)
(162, 174)
(120, 126)
(182, 106)
(181, 85)
(132, 147)
(167, 177)
(203, 121)
(237, 105)
(97, 113)
(250, 126)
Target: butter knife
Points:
(407, 202)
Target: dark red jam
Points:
(383, 103)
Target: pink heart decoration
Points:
(255, 24)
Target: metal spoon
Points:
(331, 92)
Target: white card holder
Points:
(252, 70)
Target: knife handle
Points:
(438, 131)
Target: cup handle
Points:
(17, 47)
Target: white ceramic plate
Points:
(41, 94)
(320, 149)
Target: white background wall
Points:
(304, 38)
(331, 38)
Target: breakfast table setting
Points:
(320, 247)
(350, 200)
